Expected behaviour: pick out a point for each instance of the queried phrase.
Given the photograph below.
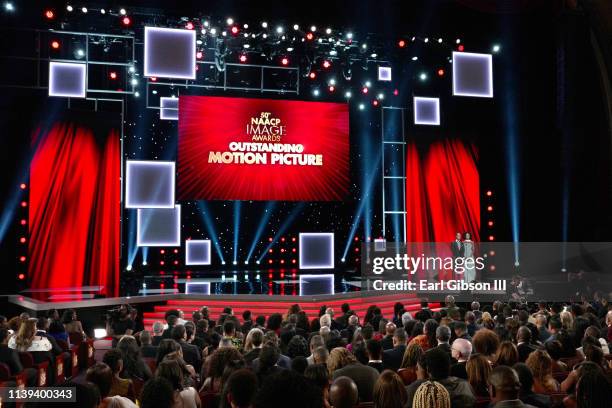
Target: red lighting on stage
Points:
(440, 72)
(55, 44)
(491, 253)
(357, 249)
(491, 238)
(492, 267)
(176, 251)
(269, 261)
(22, 259)
(401, 43)
(375, 102)
(270, 239)
(282, 239)
(326, 64)
(199, 54)
(22, 240)
(490, 208)
(293, 261)
(356, 238)
(243, 58)
(270, 250)
(309, 36)
(24, 204)
(395, 92)
(489, 193)
(235, 30)
(21, 276)
(162, 251)
(312, 75)
(153, 79)
(126, 21)
(113, 75)
(490, 223)
(23, 222)
(282, 261)
(22, 186)
(176, 262)
(49, 14)
(332, 88)
(162, 263)
(293, 239)
(294, 250)
(285, 61)
(461, 48)
(189, 26)
(283, 250)
(364, 90)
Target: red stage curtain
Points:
(442, 192)
(74, 209)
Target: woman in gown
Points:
(468, 248)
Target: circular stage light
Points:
(312, 75)
(55, 44)
(126, 21)
(21, 276)
(332, 88)
(199, 55)
(395, 92)
(440, 72)
(401, 43)
(189, 25)
(113, 75)
(461, 48)
(326, 64)
(309, 36)
(22, 240)
(243, 58)
(285, 61)
(364, 89)
(22, 186)
(22, 258)
(235, 30)
(24, 204)
(23, 222)
(49, 14)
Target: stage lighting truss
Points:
(317, 284)
(323, 256)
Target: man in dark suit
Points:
(171, 320)
(457, 246)
(425, 313)
(158, 333)
(392, 359)
(191, 354)
(387, 341)
(374, 350)
(146, 348)
(526, 393)
(523, 343)
(443, 335)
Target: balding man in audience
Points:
(461, 351)
(523, 343)
(387, 341)
(343, 393)
(443, 335)
(504, 387)
(316, 341)
(392, 359)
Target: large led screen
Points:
(262, 149)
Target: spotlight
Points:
(22, 186)
(79, 53)
(279, 30)
(401, 43)
(213, 31)
(395, 92)
(189, 25)
(296, 27)
(126, 21)
(235, 263)
(312, 75)
(113, 75)
(375, 102)
(245, 26)
(199, 55)
(364, 46)
(313, 28)
(144, 263)
(343, 260)
(49, 14)
(8, 6)
(257, 262)
(496, 48)
(136, 94)
(309, 36)
(415, 58)
(128, 268)
(326, 64)
(426, 40)
(55, 44)
(332, 88)
(461, 48)
(423, 76)
(134, 82)
(348, 94)
(22, 240)
(102, 11)
(368, 84)
(264, 25)
(489, 193)
(69, 8)
(21, 276)
(364, 90)
(122, 12)
(332, 81)
(381, 96)
(440, 72)
(235, 30)
(84, 9)
(315, 92)
(243, 58)
(439, 41)
(490, 223)
(490, 208)
(361, 106)
(328, 31)
(229, 21)
(458, 41)
(349, 36)
(285, 61)
(222, 262)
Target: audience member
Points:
(504, 388)
(343, 393)
(540, 364)
(342, 363)
(526, 393)
(392, 359)
(389, 391)
(431, 394)
(461, 351)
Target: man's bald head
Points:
(343, 393)
(523, 334)
(505, 384)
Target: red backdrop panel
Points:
(74, 209)
(211, 123)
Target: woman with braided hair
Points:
(431, 394)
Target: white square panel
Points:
(169, 108)
(426, 111)
(317, 284)
(159, 227)
(197, 288)
(197, 252)
(149, 184)
(316, 250)
(384, 73)
(169, 53)
(67, 79)
(472, 74)
(380, 244)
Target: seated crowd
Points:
(500, 355)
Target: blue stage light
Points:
(236, 229)
(210, 228)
